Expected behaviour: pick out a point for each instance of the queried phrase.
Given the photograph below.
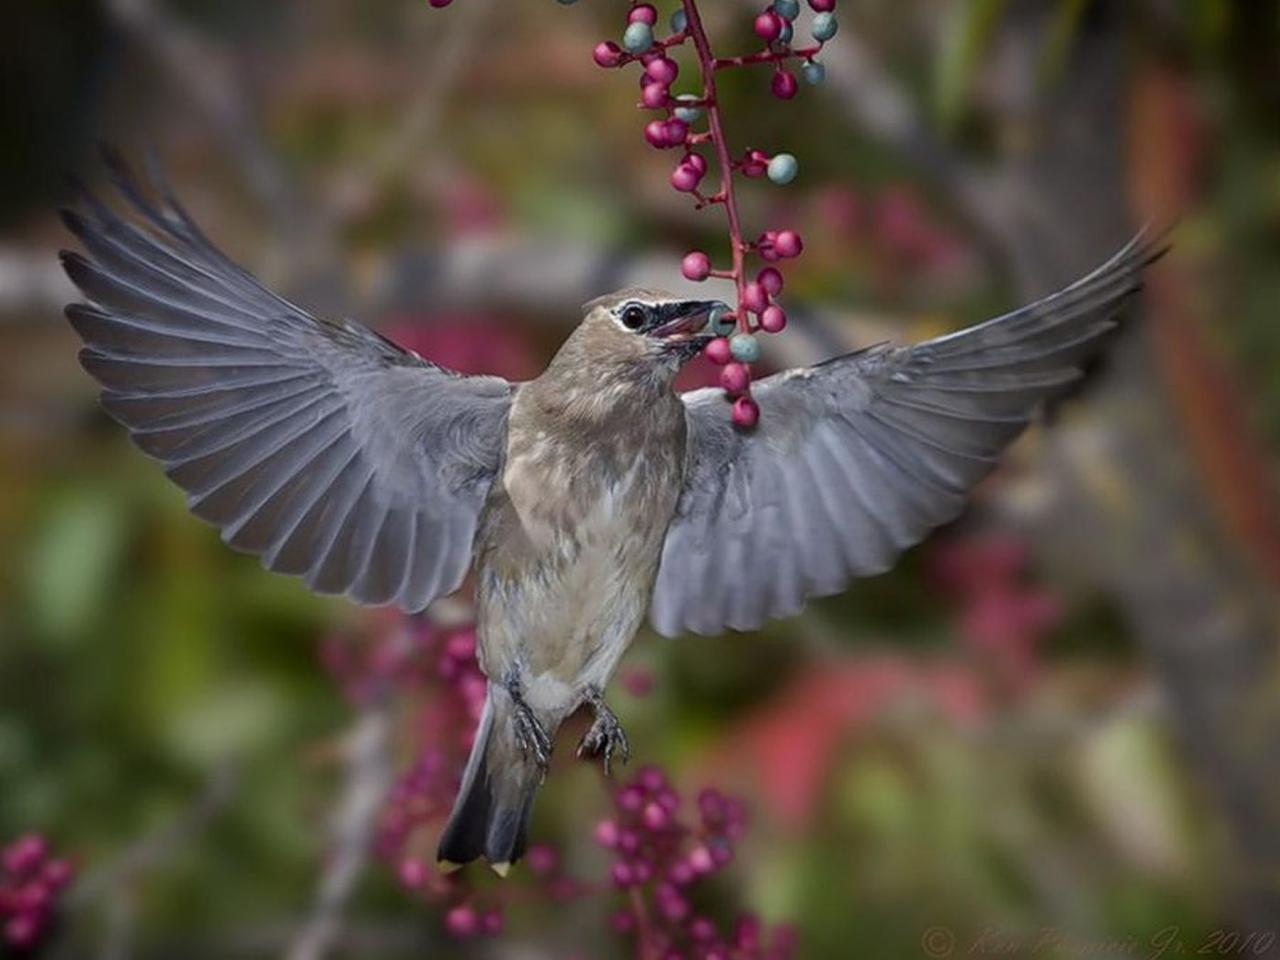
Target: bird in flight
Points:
(586, 499)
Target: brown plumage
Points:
(589, 498)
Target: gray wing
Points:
(322, 447)
(858, 458)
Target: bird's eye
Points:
(633, 317)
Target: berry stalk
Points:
(707, 64)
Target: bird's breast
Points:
(571, 540)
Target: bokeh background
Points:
(1060, 714)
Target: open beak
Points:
(684, 318)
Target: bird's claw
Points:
(531, 736)
(605, 737)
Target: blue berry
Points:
(721, 322)
(679, 22)
(787, 9)
(814, 72)
(638, 37)
(688, 114)
(786, 33)
(782, 168)
(824, 27)
(744, 347)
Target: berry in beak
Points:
(682, 319)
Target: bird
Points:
(586, 500)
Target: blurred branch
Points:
(161, 845)
(114, 882)
(32, 282)
(407, 142)
(368, 776)
(210, 79)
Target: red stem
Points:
(646, 949)
(707, 64)
(767, 56)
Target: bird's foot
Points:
(530, 734)
(606, 735)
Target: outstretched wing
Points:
(322, 447)
(858, 458)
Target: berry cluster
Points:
(692, 120)
(660, 861)
(30, 882)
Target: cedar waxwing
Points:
(586, 498)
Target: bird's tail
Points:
(490, 817)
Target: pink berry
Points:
(788, 243)
(607, 54)
(651, 778)
(677, 132)
(698, 162)
(662, 70)
(696, 266)
(631, 799)
(822, 6)
(735, 378)
(643, 13)
(702, 929)
(771, 279)
(654, 816)
(768, 25)
(755, 163)
(413, 873)
(747, 934)
(622, 874)
(700, 857)
(717, 351)
(25, 854)
(491, 922)
(745, 414)
(784, 85)
(655, 133)
(754, 297)
(439, 3)
(22, 931)
(542, 859)
(681, 872)
(607, 833)
(684, 178)
(654, 95)
(461, 921)
(773, 320)
(674, 907)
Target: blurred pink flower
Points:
(797, 735)
(467, 343)
(31, 882)
(660, 858)
(1001, 615)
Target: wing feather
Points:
(858, 458)
(322, 447)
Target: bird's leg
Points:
(606, 734)
(531, 736)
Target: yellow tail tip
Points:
(448, 866)
(501, 869)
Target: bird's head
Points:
(649, 332)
